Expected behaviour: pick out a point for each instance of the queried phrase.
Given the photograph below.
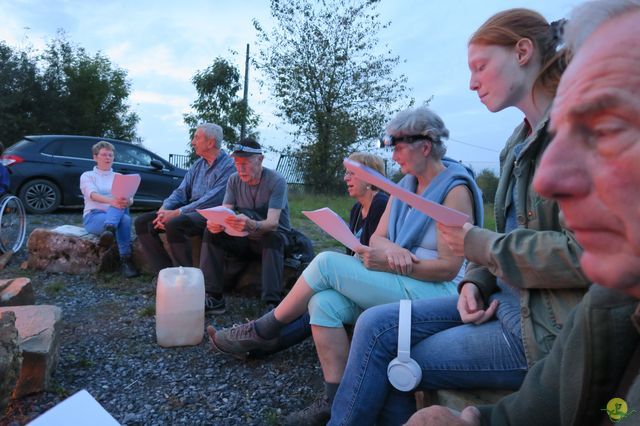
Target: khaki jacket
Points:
(541, 257)
(583, 372)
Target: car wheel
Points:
(40, 196)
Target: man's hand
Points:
(214, 228)
(164, 215)
(454, 237)
(437, 415)
(471, 306)
(240, 223)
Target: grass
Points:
(55, 287)
(489, 217)
(147, 311)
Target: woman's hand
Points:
(454, 237)
(401, 261)
(471, 306)
(214, 228)
(120, 202)
(397, 260)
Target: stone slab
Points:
(16, 291)
(39, 330)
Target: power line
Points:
(475, 146)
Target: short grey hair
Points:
(586, 17)
(214, 131)
(421, 121)
(95, 149)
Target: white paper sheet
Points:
(439, 213)
(333, 225)
(217, 215)
(125, 185)
(79, 409)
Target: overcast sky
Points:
(162, 44)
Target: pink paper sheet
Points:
(125, 185)
(439, 213)
(217, 215)
(333, 225)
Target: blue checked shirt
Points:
(203, 186)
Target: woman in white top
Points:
(104, 214)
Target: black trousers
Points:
(179, 231)
(269, 248)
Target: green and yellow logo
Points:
(617, 410)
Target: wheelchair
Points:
(13, 224)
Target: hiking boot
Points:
(129, 270)
(239, 340)
(108, 236)
(318, 413)
(213, 305)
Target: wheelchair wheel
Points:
(13, 224)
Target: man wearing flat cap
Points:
(259, 197)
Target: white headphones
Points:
(403, 372)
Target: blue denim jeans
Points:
(452, 355)
(95, 220)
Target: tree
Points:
(488, 182)
(63, 90)
(19, 94)
(321, 64)
(218, 101)
(89, 93)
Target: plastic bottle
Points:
(180, 307)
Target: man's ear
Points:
(524, 51)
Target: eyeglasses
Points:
(106, 155)
(388, 140)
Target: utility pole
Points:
(245, 97)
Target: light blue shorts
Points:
(344, 288)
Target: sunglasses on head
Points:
(388, 140)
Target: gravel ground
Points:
(108, 347)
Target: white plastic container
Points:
(180, 307)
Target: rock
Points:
(17, 291)
(38, 329)
(69, 249)
(10, 357)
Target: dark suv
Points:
(44, 171)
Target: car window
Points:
(76, 148)
(52, 148)
(129, 154)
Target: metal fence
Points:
(179, 160)
(290, 166)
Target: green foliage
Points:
(218, 101)
(328, 83)
(63, 90)
(488, 182)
